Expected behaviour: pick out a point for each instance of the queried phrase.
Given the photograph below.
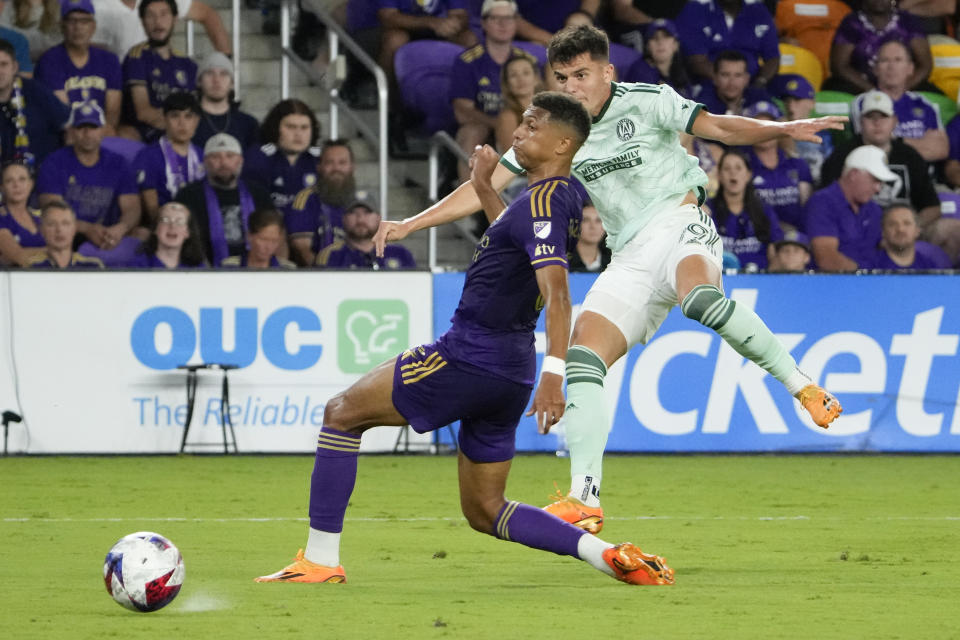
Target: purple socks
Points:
(533, 527)
(334, 475)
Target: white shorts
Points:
(638, 287)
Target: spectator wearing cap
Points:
(58, 224)
(661, 62)
(315, 218)
(730, 91)
(357, 250)
(747, 226)
(173, 161)
(902, 249)
(781, 181)
(876, 122)
(265, 235)
(791, 254)
(31, 117)
(843, 221)
(475, 78)
(797, 95)
(219, 112)
(77, 72)
(98, 184)
(221, 202)
(709, 27)
(918, 121)
(153, 70)
(36, 21)
(119, 27)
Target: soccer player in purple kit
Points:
(482, 370)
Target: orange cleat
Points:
(571, 510)
(302, 570)
(820, 404)
(633, 566)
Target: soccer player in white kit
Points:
(666, 251)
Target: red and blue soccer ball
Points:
(143, 571)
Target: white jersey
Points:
(632, 165)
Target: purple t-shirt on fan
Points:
(779, 188)
(476, 77)
(161, 76)
(866, 39)
(493, 325)
(150, 169)
(927, 256)
(549, 16)
(269, 167)
(704, 30)
(308, 215)
(24, 237)
(424, 7)
(57, 72)
(829, 214)
(91, 191)
(739, 236)
(340, 256)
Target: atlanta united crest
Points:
(625, 129)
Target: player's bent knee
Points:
(480, 515)
(336, 414)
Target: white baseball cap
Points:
(876, 101)
(490, 5)
(871, 159)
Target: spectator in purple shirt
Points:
(174, 242)
(356, 250)
(729, 91)
(77, 72)
(99, 185)
(20, 236)
(173, 161)
(918, 121)
(902, 248)
(152, 71)
(858, 40)
(843, 221)
(264, 237)
(708, 27)
(219, 112)
(58, 225)
(661, 62)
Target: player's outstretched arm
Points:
(736, 130)
(462, 202)
(548, 400)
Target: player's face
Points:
(585, 79)
(215, 84)
(87, 139)
(158, 22)
(900, 230)
(798, 108)
(17, 184)
(78, 28)
(360, 223)
(521, 79)
(173, 226)
(335, 165)
(500, 25)
(535, 139)
(8, 70)
(294, 133)
(877, 128)
(265, 242)
(223, 166)
(591, 229)
(734, 175)
(893, 66)
(731, 79)
(662, 46)
(181, 125)
(58, 229)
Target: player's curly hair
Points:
(570, 42)
(565, 110)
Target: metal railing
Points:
(336, 36)
(444, 140)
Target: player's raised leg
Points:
(701, 299)
(367, 403)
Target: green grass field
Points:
(764, 547)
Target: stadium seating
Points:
(423, 69)
(537, 51)
(794, 59)
(622, 58)
(125, 147)
(946, 67)
(813, 24)
(832, 103)
(943, 104)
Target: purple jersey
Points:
(77, 261)
(144, 67)
(704, 30)
(91, 191)
(829, 214)
(242, 126)
(915, 115)
(101, 73)
(856, 29)
(153, 171)
(24, 237)
(953, 134)
(493, 325)
(707, 96)
(927, 256)
(308, 215)
(549, 16)
(269, 167)
(424, 7)
(779, 188)
(739, 236)
(476, 77)
(341, 256)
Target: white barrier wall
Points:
(95, 355)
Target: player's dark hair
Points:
(8, 48)
(751, 202)
(570, 42)
(264, 217)
(729, 55)
(191, 253)
(565, 110)
(336, 142)
(142, 9)
(270, 130)
(181, 101)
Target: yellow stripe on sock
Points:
(342, 439)
(502, 528)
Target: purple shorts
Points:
(432, 392)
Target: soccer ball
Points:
(143, 571)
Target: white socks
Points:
(323, 548)
(586, 489)
(590, 548)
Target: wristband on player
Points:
(553, 364)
